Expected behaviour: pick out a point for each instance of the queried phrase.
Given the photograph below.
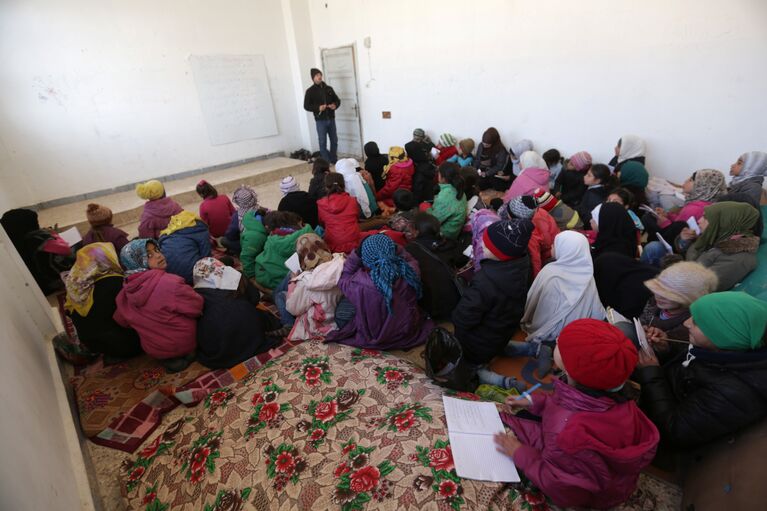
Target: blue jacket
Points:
(463, 161)
(185, 247)
(233, 231)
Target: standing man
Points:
(322, 101)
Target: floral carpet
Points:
(324, 426)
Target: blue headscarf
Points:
(379, 254)
(133, 256)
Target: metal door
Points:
(339, 71)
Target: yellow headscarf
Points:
(151, 190)
(94, 262)
(180, 221)
(396, 155)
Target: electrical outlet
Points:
(386, 115)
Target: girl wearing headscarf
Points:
(397, 174)
(634, 177)
(569, 186)
(159, 305)
(534, 175)
(727, 244)
(313, 294)
(246, 200)
(516, 150)
(354, 184)
(419, 150)
(480, 221)
(382, 283)
(185, 241)
(158, 209)
(716, 387)
(616, 231)
(231, 328)
(492, 158)
(563, 291)
(92, 285)
(749, 171)
(628, 148)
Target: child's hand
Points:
(657, 338)
(661, 213)
(647, 358)
(507, 444)
(517, 403)
(688, 234)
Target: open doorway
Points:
(340, 72)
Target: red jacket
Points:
(217, 213)
(445, 153)
(339, 214)
(400, 176)
(542, 239)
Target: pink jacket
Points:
(694, 208)
(156, 216)
(587, 451)
(524, 184)
(217, 213)
(312, 299)
(163, 309)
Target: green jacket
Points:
(252, 239)
(270, 263)
(450, 212)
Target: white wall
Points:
(96, 94)
(690, 76)
(41, 466)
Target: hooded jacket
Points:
(270, 263)
(163, 310)
(372, 326)
(491, 308)
(587, 452)
(450, 212)
(338, 213)
(185, 247)
(217, 213)
(526, 182)
(312, 299)
(252, 240)
(400, 175)
(155, 217)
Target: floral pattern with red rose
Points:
(360, 354)
(359, 481)
(444, 480)
(403, 417)
(201, 456)
(283, 464)
(392, 377)
(151, 501)
(328, 412)
(146, 456)
(149, 378)
(218, 399)
(531, 498)
(266, 412)
(314, 370)
(229, 500)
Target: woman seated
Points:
(727, 244)
(628, 148)
(231, 328)
(338, 214)
(749, 171)
(157, 209)
(313, 294)
(158, 305)
(185, 241)
(383, 285)
(491, 161)
(92, 288)
(717, 386)
(616, 231)
(398, 174)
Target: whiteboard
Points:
(234, 97)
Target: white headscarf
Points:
(754, 165)
(531, 159)
(631, 147)
(347, 167)
(563, 291)
(517, 148)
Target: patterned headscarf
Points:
(581, 161)
(707, 185)
(210, 273)
(396, 155)
(726, 219)
(133, 256)
(246, 199)
(379, 254)
(93, 263)
(480, 221)
(312, 251)
(754, 165)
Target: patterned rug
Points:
(324, 426)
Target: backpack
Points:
(445, 364)
(45, 267)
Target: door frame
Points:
(353, 47)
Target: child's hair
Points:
(227, 260)
(627, 198)
(279, 219)
(334, 183)
(404, 200)
(206, 190)
(451, 173)
(470, 180)
(320, 166)
(602, 173)
(496, 203)
(552, 157)
(426, 224)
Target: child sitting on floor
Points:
(215, 210)
(592, 441)
(450, 204)
(565, 216)
(102, 230)
(157, 210)
(185, 241)
(402, 219)
(246, 200)
(354, 185)
(382, 282)
(284, 229)
(598, 182)
(569, 187)
(338, 213)
(320, 168)
(465, 156)
(375, 163)
(398, 174)
(297, 201)
(554, 161)
(158, 305)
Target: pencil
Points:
(526, 394)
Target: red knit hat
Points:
(545, 199)
(596, 354)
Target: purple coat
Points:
(587, 451)
(156, 216)
(107, 234)
(372, 325)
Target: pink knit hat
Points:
(581, 161)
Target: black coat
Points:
(570, 184)
(231, 329)
(423, 175)
(717, 394)
(440, 291)
(491, 308)
(317, 186)
(98, 331)
(302, 204)
(322, 94)
(592, 198)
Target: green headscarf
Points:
(732, 320)
(726, 219)
(633, 173)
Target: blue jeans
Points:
(325, 129)
(653, 252)
(280, 297)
